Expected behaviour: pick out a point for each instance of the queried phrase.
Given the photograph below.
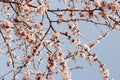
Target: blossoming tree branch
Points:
(34, 35)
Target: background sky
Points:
(108, 51)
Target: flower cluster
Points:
(25, 35)
(40, 76)
(114, 6)
(74, 29)
(39, 25)
(52, 64)
(65, 69)
(7, 24)
(41, 9)
(85, 47)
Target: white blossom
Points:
(9, 62)
(86, 47)
(1, 51)
(97, 3)
(41, 9)
(7, 23)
